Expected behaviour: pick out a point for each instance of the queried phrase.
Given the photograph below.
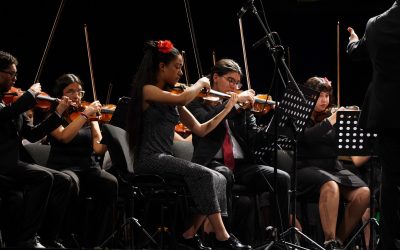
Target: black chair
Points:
(168, 194)
(38, 152)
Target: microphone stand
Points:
(277, 52)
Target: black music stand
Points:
(290, 120)
(354, 141)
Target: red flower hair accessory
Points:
(327, 81)
(165, 46)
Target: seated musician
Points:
(242, 132)
(72, 147)
(45, 192)
(321, 173)
(153, 115)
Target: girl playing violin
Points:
(152, 118)
(72, 146)
(321, 173)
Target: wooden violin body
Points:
(44, 101)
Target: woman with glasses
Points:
(73, 145)
(241, 129)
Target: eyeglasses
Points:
(233, 82)
(11, 74)
(80, 93)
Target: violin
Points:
(178, 88)
(181, 129)
(262, 102)
(104, 115)
(320, 116)
(107, 112)
(44, 101)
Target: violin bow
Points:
(185, 69)
(90, 62)
(109, 93)
(246, 66)
(338, 63)
(44, 56)
(193, 38)
(214, 58)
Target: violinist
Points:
(73, 143)
(153, 115)
(321, 173)
(240, 130)
(45, 191)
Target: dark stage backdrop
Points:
(117, 31)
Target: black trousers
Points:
(45, 194)
(11, 208)
(259, 178)
(389, 151)
(92, 219)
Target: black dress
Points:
(318, 161)
(207, 187)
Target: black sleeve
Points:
(358, 50)
(24, 103)
(35, 133)
(316, 132)
(201, 112)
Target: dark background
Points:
(117, 31)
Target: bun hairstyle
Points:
(321, 84)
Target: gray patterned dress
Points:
(206, 186)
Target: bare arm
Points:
(152, 93)
(98, 148)
(359, 161)
(66, 134)
(204, 128)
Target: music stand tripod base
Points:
(136, 222)
(354, 141)
(290, 120)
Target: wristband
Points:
(84, 115)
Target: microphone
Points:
(243, 10)
(261, 41)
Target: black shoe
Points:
(332, 245)
(231, 243)
(53, 244)
(31, 243)
(209, 239)
(193, 243)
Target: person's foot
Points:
(231, 243)
(31, 243)
(193, 243)
(53, 244)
